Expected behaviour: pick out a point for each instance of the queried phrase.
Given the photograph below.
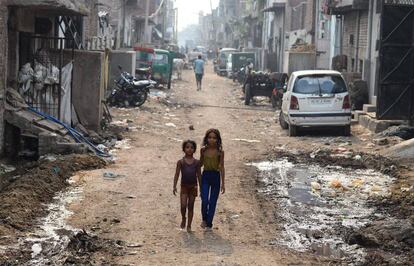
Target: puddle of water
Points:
(319, 203)
(53, 234)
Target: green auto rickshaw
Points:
(162, 66)
(236, 61)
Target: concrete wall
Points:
(295, 61)
(88, 87)
(125, 59)
(372, 53)
(3, 66)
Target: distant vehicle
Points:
(144, 56)
(315, 98)
(222, 60)
(192, 56)
(203, 52)
(236, 61)
(162, 65)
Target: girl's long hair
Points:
(217, 133)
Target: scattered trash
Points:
(357, 183)
(406, 189)
(402, 131)
(36, 250)
(340, 150)
(135, 245)
(157, 94)
(56, 169)
(191, 127)
(336, 184)
(112, 175)
(314, 215)
(175, 139)
(6, 168)
(315, 186)
(102, 148)
(247, 140)
(381, 141)
(234, 217)
(49, 157)
(314, 154)
(123, 144)
(171, 125)
(358, 157)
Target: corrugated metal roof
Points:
(73, 6)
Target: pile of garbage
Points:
(402, 131)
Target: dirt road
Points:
(142, 203)
(316, 199)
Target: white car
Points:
(315, 98)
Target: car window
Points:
(319, 84)
(160, 59)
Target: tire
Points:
(247, 94)
(282, 122)
(293, 130)
(139, 100)
(346, 130)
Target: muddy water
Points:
(317, 205)
(52, 236)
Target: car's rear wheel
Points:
(293, 130)
(346, 130)
(247, 94)
(282, 122)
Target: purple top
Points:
(189, 172)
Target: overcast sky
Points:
(188, 10)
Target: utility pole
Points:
(146, 29)
(176, 25)
(214, 28)
(123, 39)
(164, 18)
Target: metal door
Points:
(396, 72)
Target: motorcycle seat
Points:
(143, 69)
(141, 82)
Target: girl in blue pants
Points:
(212, 179)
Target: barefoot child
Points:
(190, 177)
(212, 159)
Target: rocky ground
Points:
(125, 213)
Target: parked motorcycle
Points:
(129, 91)
(279, 82)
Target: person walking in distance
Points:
(212, 179)
(199, 71)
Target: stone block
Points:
(357, 114)
(375, 125)
(369, 108)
